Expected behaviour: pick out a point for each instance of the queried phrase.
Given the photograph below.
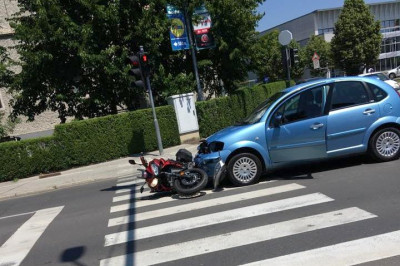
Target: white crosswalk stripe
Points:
(17, 247)
(216, 218)
(348, 253)
(205, 212)
(244, 237)
(201, 204)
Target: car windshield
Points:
(259, 111)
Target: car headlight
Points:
(155, 168)
(216, 146)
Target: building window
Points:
(326, 30)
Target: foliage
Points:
(73, 53)
(235, 34)
(5, 73)
(297, 70)
(357, 38)
(6, 125)
(267, 59)
(88, 141)
(166, 85)
(318, 45)
(216, 114)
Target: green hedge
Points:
(219, 113)
(88, 141)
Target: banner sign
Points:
(203, 37)
(177, 32)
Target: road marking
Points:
(135, 194)
(153, 199)
(129, 183)
(200, 205)
(216, 218)
(347, 253)
(16, 215)
(15, 249)
(126, 179)
(240, 238)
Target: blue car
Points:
(310, 121)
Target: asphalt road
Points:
(333, 208)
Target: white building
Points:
(322, 22)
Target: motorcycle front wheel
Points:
(192, 182)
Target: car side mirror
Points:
(277, 120)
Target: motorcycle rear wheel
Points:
(192, 182)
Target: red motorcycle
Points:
(169, 175)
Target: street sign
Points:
(315, 59)
(202, 34)
(177, 33)
(316, 64)
(315, 56)
(285, 37)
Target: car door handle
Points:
(316, 126)
(369, 112)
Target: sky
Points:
(280, 11)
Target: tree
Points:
(234, 23)
(296, 70)
(318, 45)
(73, 53)
(6, 125)
(267, 59)
(357, 38)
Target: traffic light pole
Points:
(159, 142)
(158, 134)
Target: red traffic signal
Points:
(136, 70)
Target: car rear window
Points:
(378, 93)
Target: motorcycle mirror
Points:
(143, 160)
(132, 161)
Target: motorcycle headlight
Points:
(155, 168)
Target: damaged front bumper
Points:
(213, 164)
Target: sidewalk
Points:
(82, 175)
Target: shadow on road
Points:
(72, 255)
(305, 170)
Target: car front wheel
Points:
(385, 144)
(392, 76)
(244, 169)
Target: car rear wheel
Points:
(385, 144)
(244, 169)
(392, 76)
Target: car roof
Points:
(370, 74)
(330, 80)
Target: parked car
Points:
(393, 73)
(311, 121)
(383, 77)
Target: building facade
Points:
(322, 22)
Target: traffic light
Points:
(136, 71)
(294, 56)
(144, 62)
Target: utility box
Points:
(186, 116)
